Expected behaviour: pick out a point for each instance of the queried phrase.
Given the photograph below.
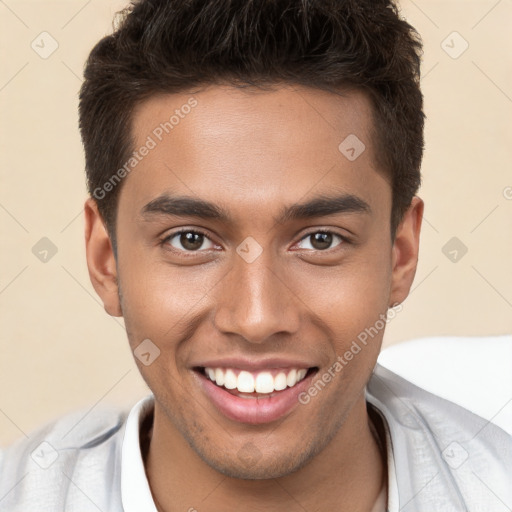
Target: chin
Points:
(249, 463)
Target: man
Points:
(253, 169)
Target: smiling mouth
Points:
(256, 384)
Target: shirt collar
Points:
(392, 501)
(135, 491)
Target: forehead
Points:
(247, 146)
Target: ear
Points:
(405, 252)
(100, 259)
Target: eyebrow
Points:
(320, 206)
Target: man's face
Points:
(255, 286)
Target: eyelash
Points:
(165, 241)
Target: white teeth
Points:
(301, 374)
(230, 379)
(280, 381)
(245, 382)
(291, 379)
(219, 377)
(264, 383)
(261, 382)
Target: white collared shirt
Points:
(440, 457)
(135, 490)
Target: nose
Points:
(255, 300)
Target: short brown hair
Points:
(168, 46)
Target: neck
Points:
(347, 475)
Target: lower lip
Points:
(254, 410)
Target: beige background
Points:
(60, 351)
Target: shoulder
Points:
(65, 464)
(446, 457)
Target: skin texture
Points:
(252, 153)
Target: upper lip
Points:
(255, 364)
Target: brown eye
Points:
(188, 240)
(321, 240)
(191, 241)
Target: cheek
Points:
(158, 297)
(351, 297)
(354, 305)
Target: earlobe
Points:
(405, 252)
(100, 259)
